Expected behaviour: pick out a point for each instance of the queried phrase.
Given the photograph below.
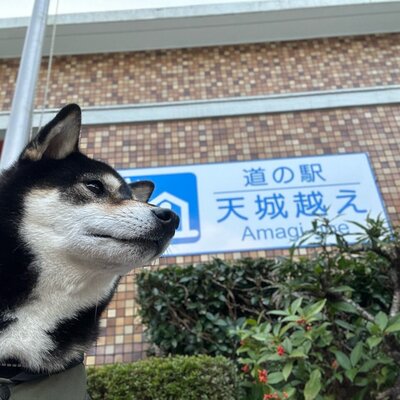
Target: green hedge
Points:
(327, 324)
(172, 378)
(190, 310)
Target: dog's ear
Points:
(58, 139)
(141, 190)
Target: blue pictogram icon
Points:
(177, 192)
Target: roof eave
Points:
(211, 25)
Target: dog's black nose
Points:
(166, 216)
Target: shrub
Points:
(190, 310)
(172, 378)
(323, 326)
(301, 355)
(335, 332)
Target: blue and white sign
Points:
(263, 204)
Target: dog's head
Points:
(80, 211)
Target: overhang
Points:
(207, 25)
(230, 107)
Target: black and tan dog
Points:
(70, 226)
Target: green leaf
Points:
(339, 377)
(394, 319)
(246, 360)
(363, 227)
(340, 289)
(345, 325)
(266, 301)
(351, 374)
(356, 354)
(287, 370)
(268, 357)
(374, 329)
(287, 344)
(393, 328)
(297, 353)
(295, 305)
(368, 365)
(261, 337)
(275, 377)
(290, 318)
(373, 341)
(222, 298)
(285, 328)
(313, 386)
(278, 312)
(343, 360)
(290, 391)
(314, 308)
(362, 382)
(276, 329)
(381, 319)
(210, 316)
(345, 307)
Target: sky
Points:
(23, 8)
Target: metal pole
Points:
(20, 122)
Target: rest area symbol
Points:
(177, 192)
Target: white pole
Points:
(20, 122)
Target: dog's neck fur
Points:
(62, 296)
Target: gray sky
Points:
(23, 8)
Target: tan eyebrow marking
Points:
(112, 183)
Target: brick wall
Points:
(215, 72)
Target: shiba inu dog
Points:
(70, 227)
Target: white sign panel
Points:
(262, 204)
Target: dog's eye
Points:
(95, 186)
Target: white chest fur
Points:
(60, 293)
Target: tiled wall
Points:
(171, 75)
(205, 73)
